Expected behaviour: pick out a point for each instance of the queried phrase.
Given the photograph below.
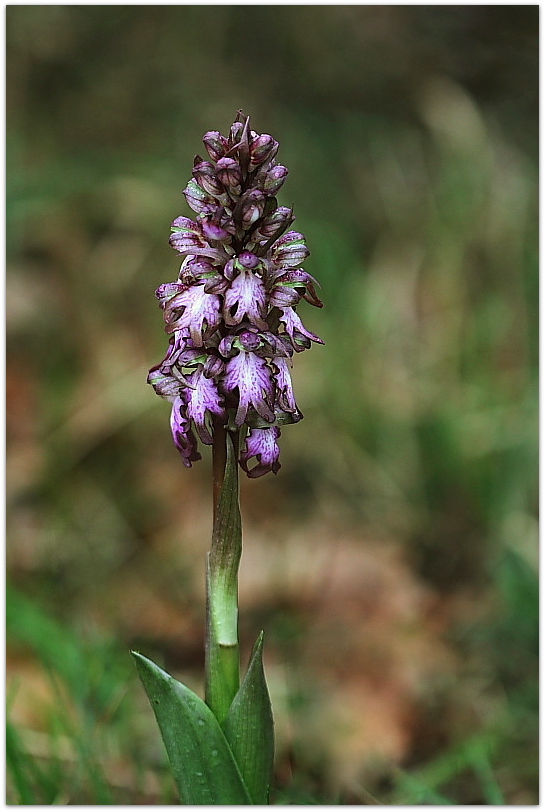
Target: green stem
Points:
(219, 461)
(222, 670)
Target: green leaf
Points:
(203, 765)
(249, 729)
(17, 763)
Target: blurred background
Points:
(393, 560)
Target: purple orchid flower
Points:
(251, 375)
(231, 314)
(261, 444)
(182, 434)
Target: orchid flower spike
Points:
(232, 314)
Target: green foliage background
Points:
(410, 133)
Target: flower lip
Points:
(246, 296)
(253, 378)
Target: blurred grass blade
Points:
(483, 769)
(203, 765)
(55, 646)
(17, 767)
(249, 729)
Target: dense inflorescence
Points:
(232, 314)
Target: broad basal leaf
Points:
(202, 761)
(249, 729)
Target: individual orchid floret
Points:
(273, 224)
(274, 179)
(263, 445)
(231, 314)
(195, 310)
(216, 144)
(289, 250)
(262, 148)
(229, 173)
(284, 389)
(300, 336)
(203, 401)
(246, 297)
(182, 434)
(251, 376)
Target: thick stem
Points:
(219, 459)
(222, 653)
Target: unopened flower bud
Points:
(198, 199)
(235, 132)
(205, 175)
(196, 269)
(274, 179)
(290, 286)
(252, 204)
(275, 223)
(225, 347)
(185, 224)
(216, 284)
(216, 144)
(185, 242)
(213, 231)
(228, 172)
(263, 148)
(284, 297)
(213, 366)
(239, 140)
(290, 250)
(229, 270)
